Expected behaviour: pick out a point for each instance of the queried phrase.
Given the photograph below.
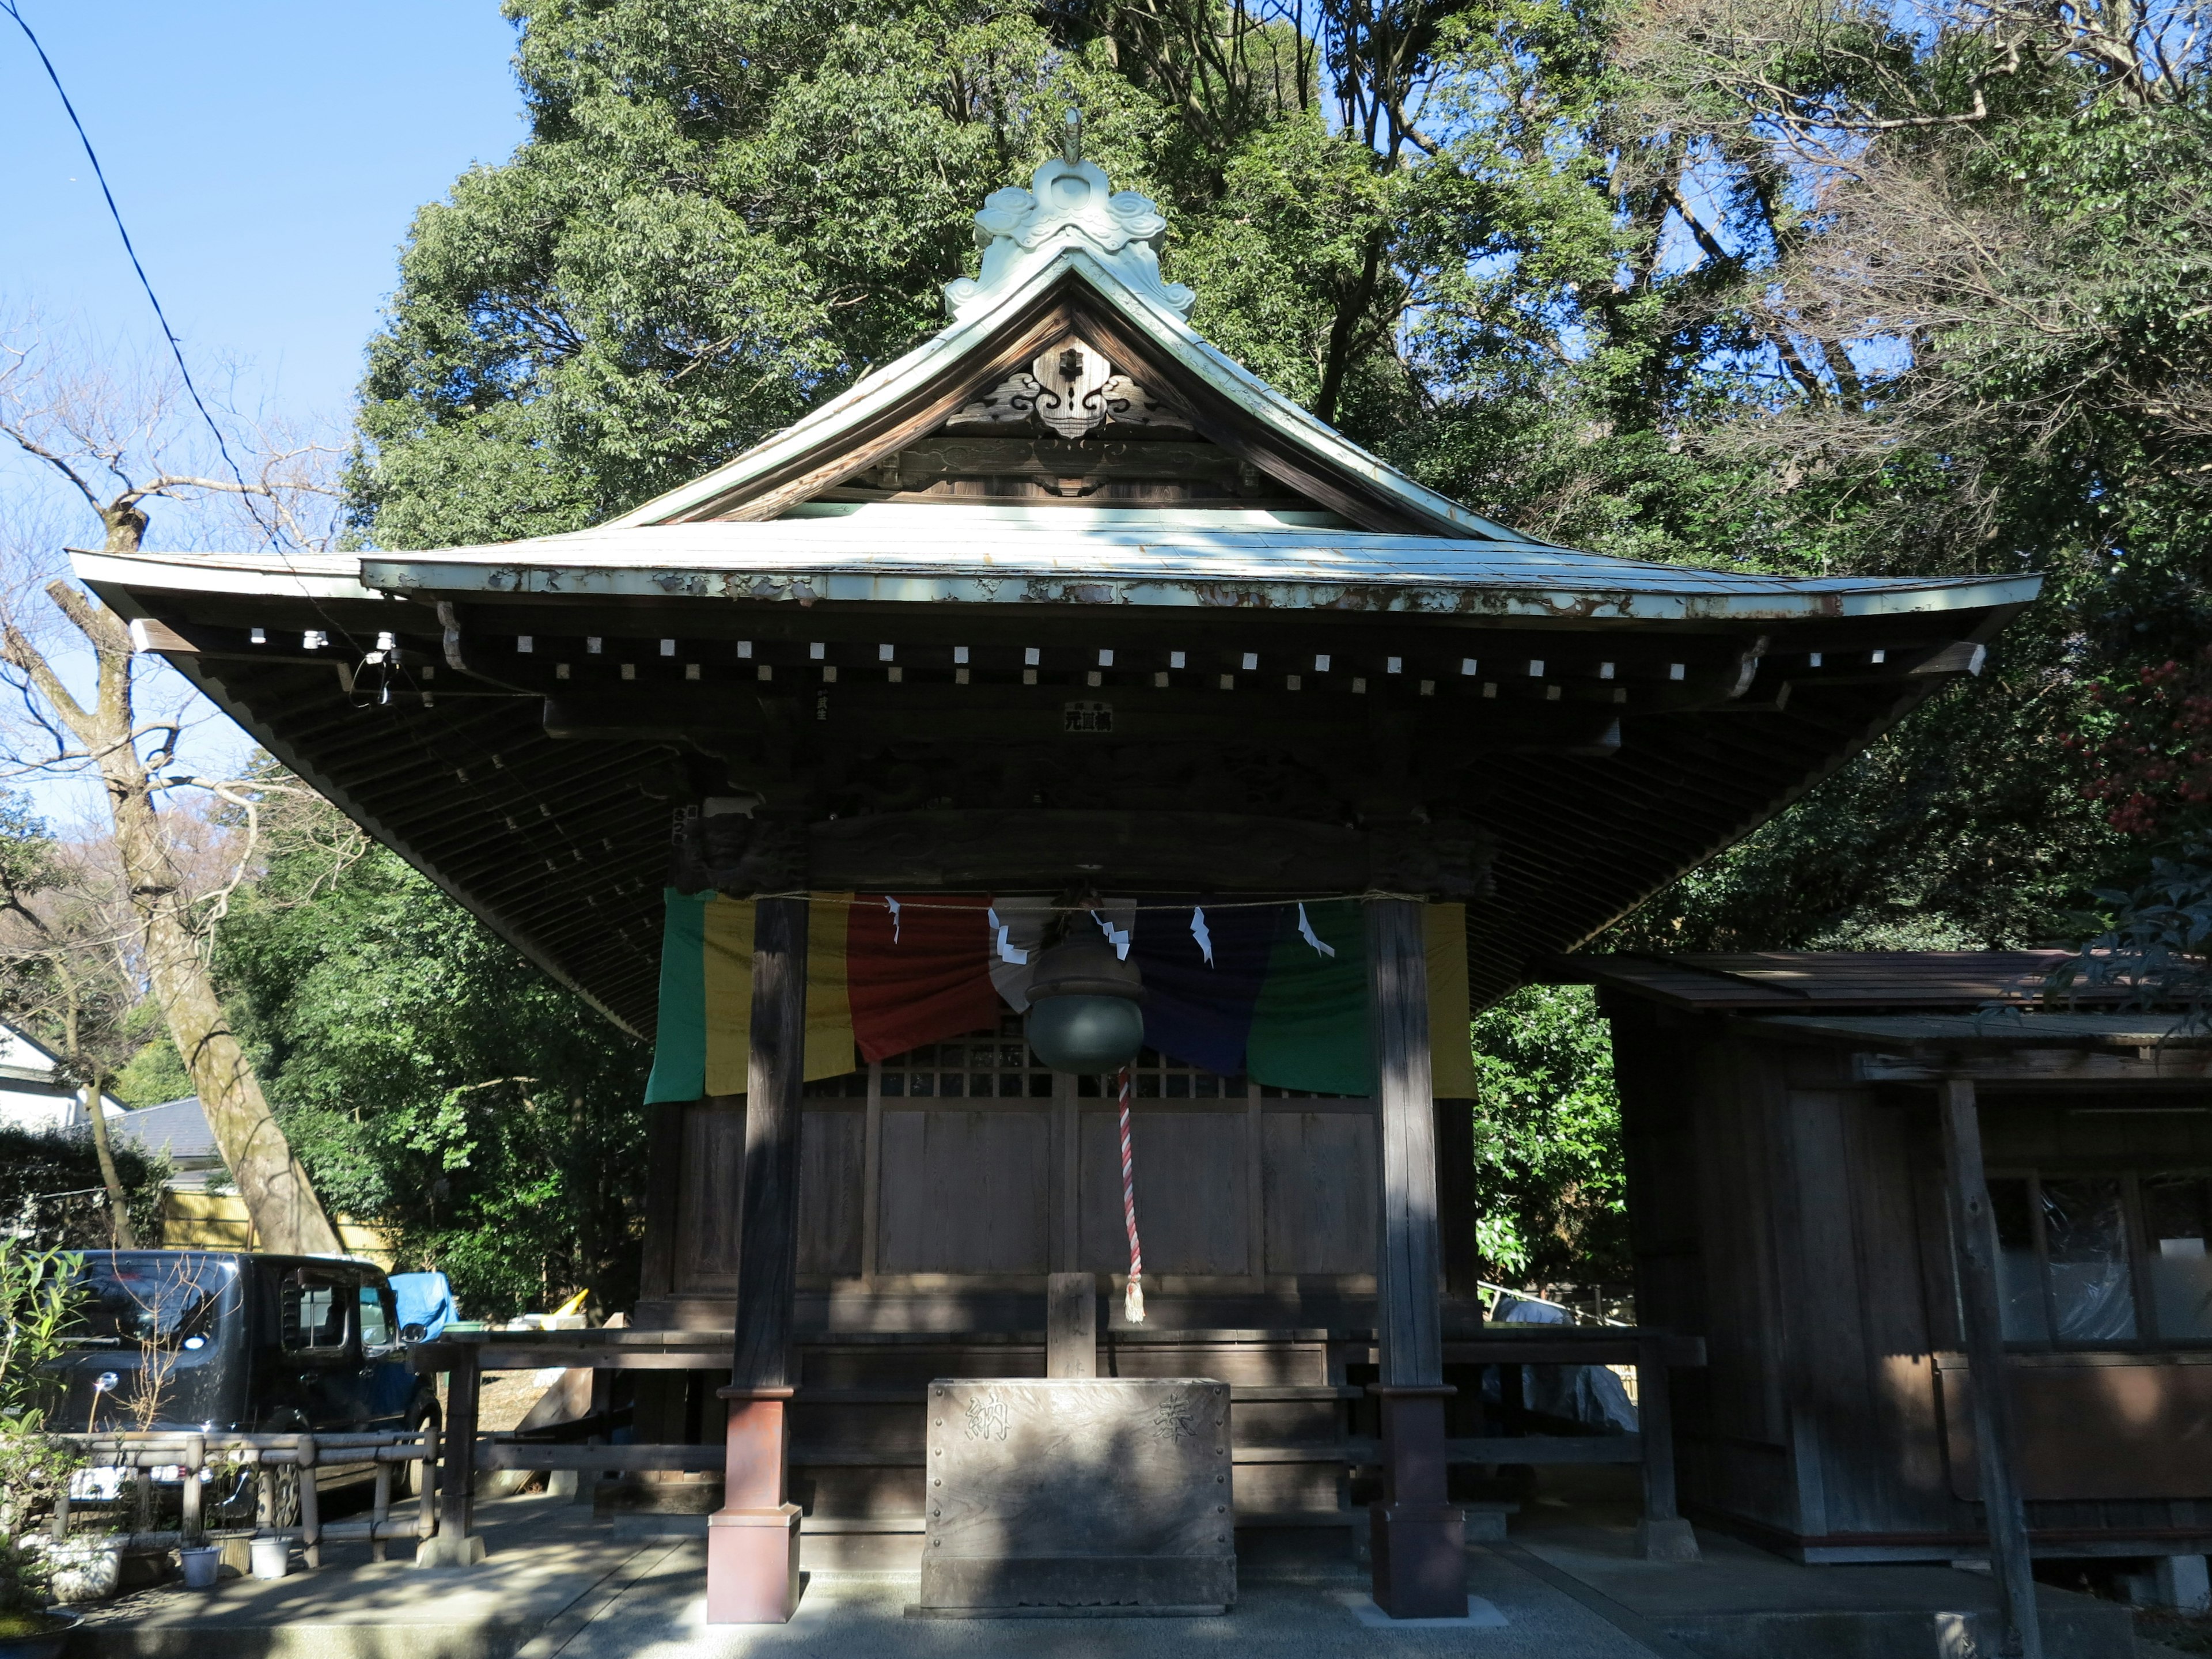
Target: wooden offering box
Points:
(1073, 1495)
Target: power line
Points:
(176, 347)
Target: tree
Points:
(1550, 1189)
(436, 1082)
(1993, 291)
(110, 441)
(64, 975)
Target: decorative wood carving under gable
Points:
(1074, 390)
(1273, 472)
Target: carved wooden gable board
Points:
(1068, 375)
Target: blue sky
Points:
(267, 157)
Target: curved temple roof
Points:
(1066, 493)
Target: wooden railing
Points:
(195, 1453)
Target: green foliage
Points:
(433, 1081)
(155, 1075)
(1550, 1187)
(36, 1309)
(50, 1186)
(726, 211)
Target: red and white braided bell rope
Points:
(1133, 1303)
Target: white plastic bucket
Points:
(199, 1565)
(272, 1557)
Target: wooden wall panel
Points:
(706, 1254)
(1819, 1269)
(710, 1172)
(2102, 1427)
(1319, 1182)
(965, 1191)
(831, 1177)
(1193, 1190)
(1886, 1147)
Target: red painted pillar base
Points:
(1418, 1541)
(752, 1541)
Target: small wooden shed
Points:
(1801, 1137)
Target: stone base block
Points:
(1420, 1560)
(448, 1550)
(753, 1565)
(1670, 1540)
(1090, 1584)
(1485, 1522)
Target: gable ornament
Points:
(1073, 390)
(1069, 203)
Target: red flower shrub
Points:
(2151, 760)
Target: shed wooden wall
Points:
(1795, 1218)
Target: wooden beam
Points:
(2158, 1064)
(930, 458)
(1974, 1255)
(956, 849)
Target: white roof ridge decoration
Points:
(1069, 204)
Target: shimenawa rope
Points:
(1132, 1306)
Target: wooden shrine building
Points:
(1062, 625)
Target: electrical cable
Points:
(176, 347)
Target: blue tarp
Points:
(425, 1299)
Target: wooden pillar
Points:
(1974, 1252)
(455, 1545)
(1457, 1209)
(1418, 1539)
(752, 1541)
(1663, 1535)
(1071, 1325)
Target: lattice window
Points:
(981, 1065)
(1155, 1077)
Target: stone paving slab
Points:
(1739, 1602)
(545, 1555)
(662, 1615)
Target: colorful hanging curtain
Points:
(1275, 991)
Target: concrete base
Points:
(1666, 1540)
(2182, 1582)
(753, 1565)
(544, 1558)
(1479, 1615)
(445, 1551)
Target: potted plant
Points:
(37, 1306)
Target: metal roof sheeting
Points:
(899, 552)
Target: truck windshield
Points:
(153, 1296)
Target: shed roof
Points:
(1807, 981)
(1996, 1029)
